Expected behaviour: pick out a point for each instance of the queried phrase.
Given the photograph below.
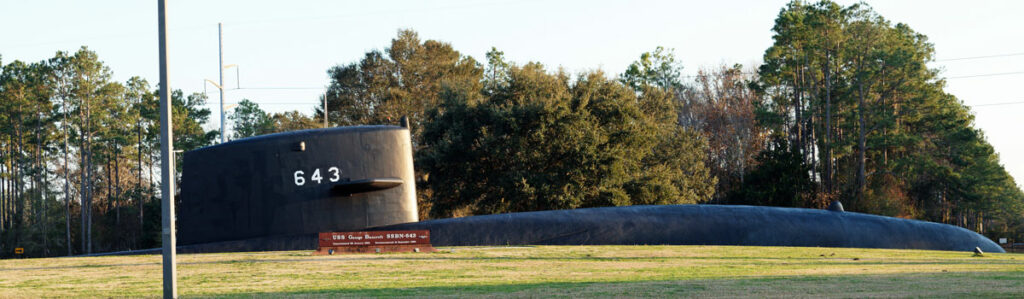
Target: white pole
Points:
(220, 54)
(166, 163)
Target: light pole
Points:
(220, 85)
(221, 90)
(220, 55)
(166, 163)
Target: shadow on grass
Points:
(827, 259)
(948, 284)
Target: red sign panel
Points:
(377, 238)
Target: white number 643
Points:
(300, 178)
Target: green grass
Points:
(545, 271)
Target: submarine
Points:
(278, 191)
(269, 192)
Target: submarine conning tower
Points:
(296, 184)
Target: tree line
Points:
(849, 97)
(79, 155)
(843, 108)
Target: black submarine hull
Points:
(665, 225)
(260, 192)
(699, 225)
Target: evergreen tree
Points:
(405, 80)
(249, 120)
(541, 142)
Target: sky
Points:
(291, 44)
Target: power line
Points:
(953, 77)
(981, 57)
(997, 104)
(268, 103)
(986, 75)
(280, 88)
(286, 102)
(271, 88)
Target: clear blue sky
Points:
(293, 43)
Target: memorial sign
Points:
(374, 242)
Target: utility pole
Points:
(220, 55)
(167, 163)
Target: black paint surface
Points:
(245, 189)
(700, 225)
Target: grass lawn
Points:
(544, 271)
